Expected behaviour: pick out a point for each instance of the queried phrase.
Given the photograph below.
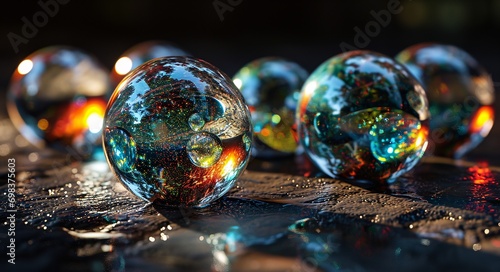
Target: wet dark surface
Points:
(282, 215)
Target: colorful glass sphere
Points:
(140, 53)
(271, 89)
(460, 93)
(57, 99)
(177, 131)
(361, 115)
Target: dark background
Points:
(307, 32)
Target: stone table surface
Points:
(282, 215)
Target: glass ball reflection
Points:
(460, 93)
(362, 115)
(177, 130)
(140, 53)
(271, 88)
(57, 98)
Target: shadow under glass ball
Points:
(460, 93)
(362, 115)
(177, 132)
(57, 98)
(271, 87)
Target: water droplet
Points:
(204, 149)
(196, 122)
(122, 148)
(299, 226)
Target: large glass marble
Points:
(460, 93)
(140, 53)
(271, 88)
(57, 99)
(361, 115)
(177, 131)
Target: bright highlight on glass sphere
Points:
(123, 66)
(25, 67)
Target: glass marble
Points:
(460, 93)
(361, 115)
(140, 53)
(57, 98)
(177, 131)
(271, 87)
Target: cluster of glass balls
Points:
(177, 129)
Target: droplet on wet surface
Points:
(299, 226)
